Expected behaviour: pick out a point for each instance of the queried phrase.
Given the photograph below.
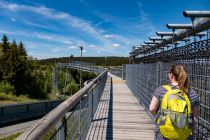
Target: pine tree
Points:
(5, 48)
(15, 55)
(11, 63)
(1, 61)
(5, 43)
(22, 76)
(22, 56)
(22, 51)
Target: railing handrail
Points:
(48, 121)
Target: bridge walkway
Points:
(120, 116)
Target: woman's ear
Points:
(170, 76)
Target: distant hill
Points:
(99, 61)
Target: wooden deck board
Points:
(119, 116)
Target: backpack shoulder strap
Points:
(164, 102)
(189, 111)
(167, 87)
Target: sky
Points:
(55, 28)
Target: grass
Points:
(12, 137)
(11, 98)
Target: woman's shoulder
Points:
(159, 92)
(193, 97)
(191, 92)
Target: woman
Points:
(178, 80)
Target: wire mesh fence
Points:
(143, 79)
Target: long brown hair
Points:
(179, 72)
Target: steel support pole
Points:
(80, 119)
(81, 49)
(64, 126)
(92, 112)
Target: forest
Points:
(23, 78)
(21, 75)
(99, 61)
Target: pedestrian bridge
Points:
(120, 116)
(104, 109)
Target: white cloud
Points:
(60, 17)
(60, 39)
(13, 19)
(71, 47)
(55, 50)
(34, 24)
(108, 36)
(146, 24)
(44, 36)
(97, 48)
(115, 45)
(30, 46)
(133, 26)
(120, 38)
(3, 31)
(53, 14)
(105, 42)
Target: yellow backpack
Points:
(175, 115)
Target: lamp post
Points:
(105, 60)
(81, 49)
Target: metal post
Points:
(81, 49)
(123, 71)
(65, 82)
(64, 126)
(80, 119)
(92, 112)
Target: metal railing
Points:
(119, 71)
(25, 111)
(81, 66)
(143, 79)
(72, 118)
(116, 71)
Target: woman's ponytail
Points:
(180, 75)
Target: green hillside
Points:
(99, 61)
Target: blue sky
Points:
(55, 28)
